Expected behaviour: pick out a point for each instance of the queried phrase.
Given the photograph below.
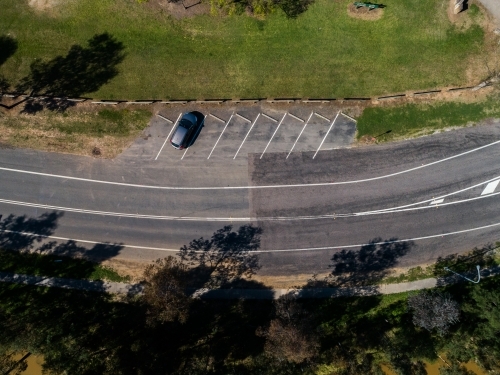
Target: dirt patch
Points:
(43, 5)
(134, 269)
(364, 13)
(179, 9)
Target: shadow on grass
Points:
(82, 70)
(8, 46)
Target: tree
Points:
(290, 336)
(225, 257)
(165, 290)
(434, 311)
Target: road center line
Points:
(270, 140)
(326, 135)
(244, 139)
(220, 136)
(303, 128)
(370, 179)
(168, 136)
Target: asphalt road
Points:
(311, 203)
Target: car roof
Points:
(179, 134)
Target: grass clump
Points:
(413, 119)
(54, 266)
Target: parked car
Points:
(187, 130)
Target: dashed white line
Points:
(303, 128)
(437, 201)
(168, 136)
(220, 136)
(490, 188)
(326, 135)
(243, 117)
(321, 116)
(65, 177)
(269, 117)
(244, 139)
(268, 143)
(296, 118)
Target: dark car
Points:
(187, 130)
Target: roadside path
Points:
(134, 289)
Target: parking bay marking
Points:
(184, 154)
(220, 136)
(168, 136)
(244, 139)
(303, 128)
(269, 117)
(216, 117)
(268, 143)
(243, 117)
(295, 117)
(323, 117)
(164, 118)
(326, 135)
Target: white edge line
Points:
(164, 118)
(220, 136)
(268, 143)
(248, 186)
(326, 135)
(269, 117)
(168, 136)
(264, 251)
(349, 117)
(323, 117)
(244, 139)
(303, 128)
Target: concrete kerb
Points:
(204, 293)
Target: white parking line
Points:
(216, 117)
(323, 117)
(490, 188)
(184, 153)
(303, 128)
(220, 136)
(243, 117)
(326, 135)
(268, 143)
(168, 136)
(297, 118)
(164, 118)
(269, 117)
(244, 139)
(349, 117)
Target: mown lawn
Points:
(322, 53)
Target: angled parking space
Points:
(312, 133)
(341, 134)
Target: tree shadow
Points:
(364, 267)
(8, 46)
(293, 8)
(82, 70)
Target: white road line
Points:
(248, 186)
(184, 154)
(268, 143)
(334, 247)
(297, 118)
(216, 117)
(244, 139)
(168, 136)
(220, 136)
(326, 135)
(303, 128)
(237, 219)
(323, 117)
(243, 117)
(349, 117)
(490, 188)
(437, 201)
(269, 117)
(164, 118)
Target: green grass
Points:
(322, 53)
(410, 119)
(54, 266)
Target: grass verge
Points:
(322, 53)
(74, 131)
(412, 120)
(54, 266)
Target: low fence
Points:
(429, 93)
